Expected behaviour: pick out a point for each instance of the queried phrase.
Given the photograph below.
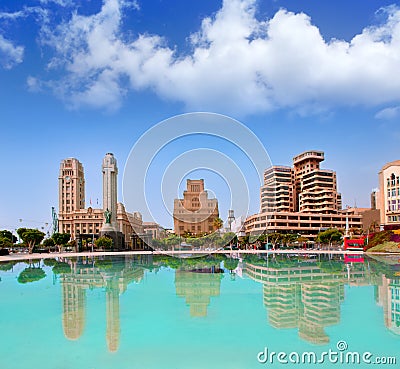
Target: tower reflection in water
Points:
(197, 286)
(303, 294)
(298, 293)
(112, 274)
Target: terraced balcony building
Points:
(301, 199)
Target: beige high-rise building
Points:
(195, 213)
(389, 194)
(71, 186)
(304, 188)
(302, 199)
(278, 192)
(316, 188)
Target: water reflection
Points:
(111, 274)
(307, 294)
(197, 286)
(302, 293)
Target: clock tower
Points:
(71, 182)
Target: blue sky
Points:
(82, 78)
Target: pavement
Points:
(26, 256)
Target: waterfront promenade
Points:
(25, 256)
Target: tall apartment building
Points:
(302, 199)
(195, 213)
(316, 188)
(278, 192)
(304, 188)
(389, 195)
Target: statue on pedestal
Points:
(107, 215)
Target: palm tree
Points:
(218, 223)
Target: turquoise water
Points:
(160, 312)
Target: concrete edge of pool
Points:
(24, 256)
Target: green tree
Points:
(8, 236)
(60, 239)
(172, 240)
(48, 242)
(218, 223)
(105, 243)
(31, 237)
(329, 236)
(302, 239)
(288, 238)
(5, 243)
(31, 274)
(231, 264)
(61, 268)
(274, 238)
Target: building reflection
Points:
(306, 295)
(298, 294)
(389, 299)
(114, 275)
(197, 286)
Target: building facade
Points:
(195, 213)
(389, 195)
(154, 230)
(305, 224)
(305, 187)
(302, 199)
(80, 222)
(278, 192)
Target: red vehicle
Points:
(354, 244)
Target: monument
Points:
(110, 226)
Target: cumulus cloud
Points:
(10, 54)
(236, 64)
(388, 113)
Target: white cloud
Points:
(237, 63)
(388, 113)
(10, 54)
(63, 3)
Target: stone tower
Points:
(71, 193)
(110, 172)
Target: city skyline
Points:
(125, 66)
